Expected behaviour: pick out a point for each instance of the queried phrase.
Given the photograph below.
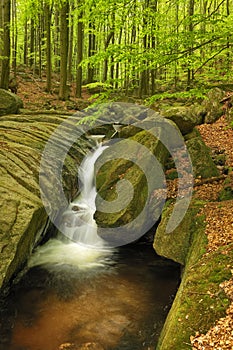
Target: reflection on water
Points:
(123, 306)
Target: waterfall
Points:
(78, 223)
(80, 245)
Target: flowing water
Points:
(79, 291)
(119, 304)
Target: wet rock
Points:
(23, 217)
(9, 102)
(129, 169)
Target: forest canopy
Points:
(132, 46)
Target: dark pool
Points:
(119, 307)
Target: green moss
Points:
(118, 169)
(199, 301)
(226, 194)
(203, 165)
(175, 245)
(172, 175)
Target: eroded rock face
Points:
(23, 217)
(9, 102)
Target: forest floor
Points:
(219, 230)
(32, 92)
(219, 218)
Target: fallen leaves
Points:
(219, 230)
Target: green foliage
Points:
(141, 47)
(197, 93)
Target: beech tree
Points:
(5, 43)
(64, 40)
(138, 47)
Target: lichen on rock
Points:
(9, 102)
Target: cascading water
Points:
(74, 297)
(78, 223)
(80, 245)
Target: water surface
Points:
(120, 304)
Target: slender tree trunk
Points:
(71, 39)
(32, 43)
(47, 14)
(143, 89)
(79, 58)
(228, 38)
(56, 39)
(190, 74)
(64, 39)
(25, 43)
(118, 63)
(5, 62)
(40, 40)
(176, 71)
(91, 52)
(108, 40)
(14, 37)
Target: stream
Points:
(77, 290)
(121, 304)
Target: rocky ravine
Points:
(23, 217)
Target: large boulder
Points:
(136, 170)
(185, 117)
(212, 105)
(203, 164)
(176, 244)
(23, 217)
(200, 300)
(9, 103)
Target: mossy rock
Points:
(203, 164)
(212, 105)
(199, 301)
(9, 102)
(23, 217)
(125, 169)
(185, 117)
(176, 244)
(194, 133)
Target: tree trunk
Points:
(47, 14)
(14, 37)
(91, 52)
(32, 43)
(5, 62)
(64, 39)
(71, 39)
(56, 39)
(190, 74)
(108, 40)
(118, 63)
(79, 58)
(25, 43)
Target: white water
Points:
(80, 245)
